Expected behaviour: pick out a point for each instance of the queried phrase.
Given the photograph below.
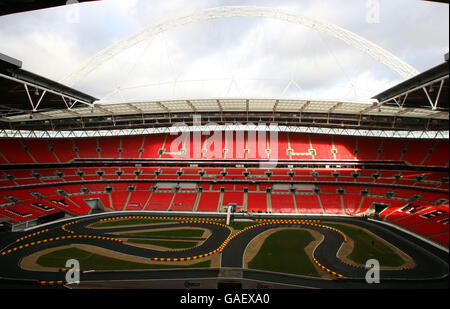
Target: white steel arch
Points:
(379, 54)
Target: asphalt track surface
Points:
(431, 269)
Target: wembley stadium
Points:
(193, 191)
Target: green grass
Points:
(240, 225)
(164, 243)
(283, 252)
(92, 261)
(365, 250)
(172, 233)
(129, 222)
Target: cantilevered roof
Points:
(426, 90)
(19, 6)
(293, 112)
(23, 92)
(237, 105)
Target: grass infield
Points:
(172, 233)
(92, 261)
(283, 252)
(240, 225)
(367, 247)
(165, 244)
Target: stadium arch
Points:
(376, 52)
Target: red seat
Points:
(308, 204)
(183, 201)
(283, 203)
(256, 202)
(208, 201)
(159, 201)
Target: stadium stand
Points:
(252, 188)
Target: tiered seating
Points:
(441, 238)
(64, 203)
(326, 147)
(280, 150)
(131, 146)
(236, 143)
(63, 149)
(41, 206)
(184, 201)
(256, 202)
(159, 201)
(351, 203)
(392, 149)
(427, 220)
(231, 196)
(322, 145)
(39, 150)
(308, 204)
(368, 148)
(14, 152)
(439, 157)
(138, 200)
(194, 145)
(256, 145)
(417, 151)
(87, 148)
(152, 145)
(2, 159)
(283, 203)
(391, 205)
(109, 147)
(20, 213)
(331, 203)
(214, 145)
(173, 145)
(119, 199)
(208, 201)
(345, 146)
(300, 145)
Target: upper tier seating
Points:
(238, 145)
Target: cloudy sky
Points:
(228, 57)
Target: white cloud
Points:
(235, 56)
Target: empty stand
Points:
(159, 201)
(257, 202)
(308, 204)
(208, 201)
(184, 201)
(283, 203)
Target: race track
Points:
(431, 270)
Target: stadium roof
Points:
(292, 112)
(426, 90)
(23, 92)
(19, 6)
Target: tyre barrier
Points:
(31, 235)
(152, 218)
(327, 269)
(65, 270)
(218, 250)
(56, 239)
(68, 224)
(231, 237)
(51, 283)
